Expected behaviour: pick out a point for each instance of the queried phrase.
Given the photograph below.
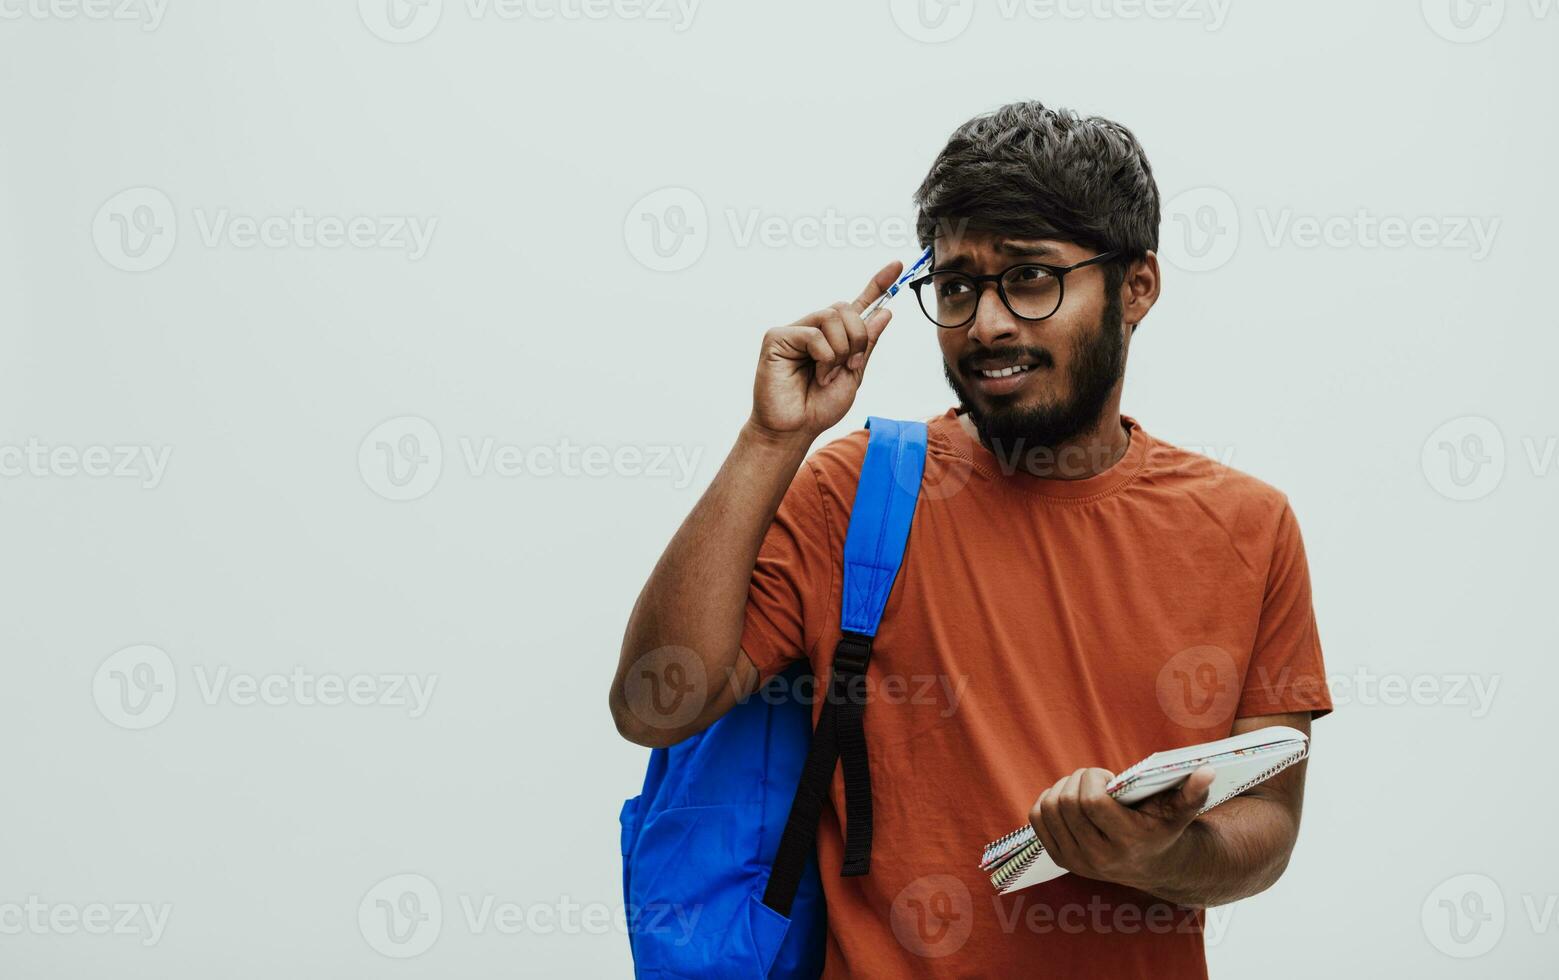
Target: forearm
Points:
(1229, 853)
(696, 597)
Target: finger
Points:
(803, 344)
(1055, 822)
(1192, 795)
(830, 334)
(796, 342)
(854, 327)
(1071, 805)
(1100, 808)
(831, 322)
(1074, 805)
(1178, 807)
(885, 277)
(1037, 821)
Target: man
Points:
(1075, 594)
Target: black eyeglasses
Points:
(1032, 291)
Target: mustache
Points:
(1004, 357)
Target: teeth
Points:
(1006, 372)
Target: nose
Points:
(993, 322)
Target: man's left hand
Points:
(1087, 832)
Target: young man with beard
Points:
(1083, 593)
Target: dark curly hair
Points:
(1031, 171)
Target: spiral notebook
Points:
(1018, 860)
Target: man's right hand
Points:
(695, 601)
(809, 371)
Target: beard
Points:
(1098, 361)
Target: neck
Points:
(1086, 454)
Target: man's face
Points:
(1070, 363)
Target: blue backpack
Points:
(720, 877)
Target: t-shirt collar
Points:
(951, 434)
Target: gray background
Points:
(1376, 383)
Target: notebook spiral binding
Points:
(1000, 844)
(1015, 867)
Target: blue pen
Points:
(893, 290)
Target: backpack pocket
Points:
(695, 898)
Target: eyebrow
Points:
(1023, 248)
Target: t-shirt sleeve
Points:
(1286, 672)
(792, 581)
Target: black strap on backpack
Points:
(880, 520)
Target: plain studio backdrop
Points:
(359, 359)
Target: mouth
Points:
(1001, 380)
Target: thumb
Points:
(1187, 801)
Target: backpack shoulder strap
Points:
(880, 520)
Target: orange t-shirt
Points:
(1037, 627)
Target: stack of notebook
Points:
(1018, 860)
